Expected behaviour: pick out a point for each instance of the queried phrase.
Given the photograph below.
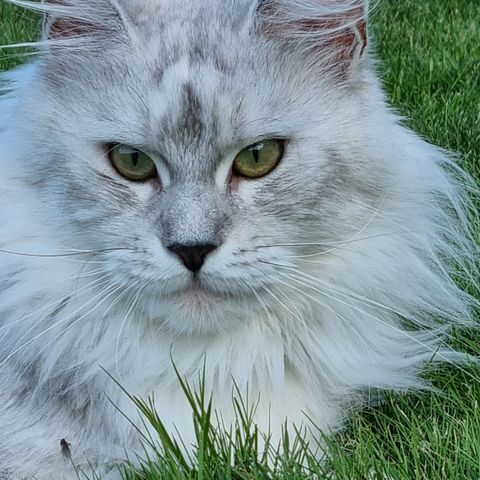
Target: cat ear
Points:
(335, 29)
(63, 22)
(66, 19)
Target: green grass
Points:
(431, 69)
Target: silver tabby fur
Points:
(333, 276)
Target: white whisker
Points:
(435, 352)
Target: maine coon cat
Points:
(215, 182)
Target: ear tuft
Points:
(59, 22)
(64, 19)
(58, 28)
(338, 28)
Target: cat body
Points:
(329, 277)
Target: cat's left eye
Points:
(258, 159)
(131, 163)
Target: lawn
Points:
(430, 52)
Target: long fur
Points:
(336, 274)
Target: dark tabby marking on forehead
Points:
(190, 126)
(200, 54)
(172, 57)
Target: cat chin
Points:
(197, 310)
(197, 300)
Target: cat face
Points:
(199, 244)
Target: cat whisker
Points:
(370, 303)
(142, 316)
(304, 259)
(349, 294)
(41, 334)
(374, 215)
(114, 302)
(106, 293)
(260, 300)
(274, 264)
(378, 214)
(130, 310)
(118, 235)
(296, 314)
(411, 336)
(53, 326)
(55, 304)
(64, 255)
(328, 243)
(347, 322)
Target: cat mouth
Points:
(199, 290)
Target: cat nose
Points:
(192, 256)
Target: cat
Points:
(212, 184)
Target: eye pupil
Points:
(135, 156)
(256, 155)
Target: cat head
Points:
(206, 146)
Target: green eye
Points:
(258, 159)
(132, 163)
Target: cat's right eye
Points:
(131, 163)
(258, 159)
